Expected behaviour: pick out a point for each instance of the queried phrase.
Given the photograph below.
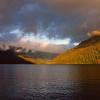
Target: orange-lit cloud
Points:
(94, 33)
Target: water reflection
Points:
(49, 82)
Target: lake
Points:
(49, 82)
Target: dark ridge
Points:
(89, 42)
(9, 57)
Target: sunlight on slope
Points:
(32, 60)
(87, 55)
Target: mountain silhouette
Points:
(10, 57)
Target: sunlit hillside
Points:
(87, 52)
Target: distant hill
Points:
(87, 52)
(10, 57)
(37, 57)
(42, 55)
(35, 54)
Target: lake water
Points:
(49, 82)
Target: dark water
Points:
(49, 82)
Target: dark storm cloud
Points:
(28, 15)
(54, 18)
(82, 16)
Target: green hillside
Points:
(87, 52)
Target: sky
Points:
(48, 25)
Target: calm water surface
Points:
(49, 82)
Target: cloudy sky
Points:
(48, 25)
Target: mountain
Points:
(16, 55)
(10, 57)
(87, 52)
